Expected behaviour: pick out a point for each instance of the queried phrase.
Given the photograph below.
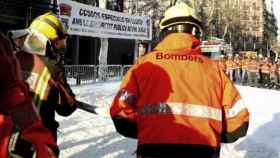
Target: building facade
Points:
(246, 24)
(252, 21)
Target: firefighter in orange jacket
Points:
(237, 68)
(253, 71)
(244, 65)
(17, 110)
(265, 72)
(42, 69)
(177, 102)
(230, 66)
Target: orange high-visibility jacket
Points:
(253, 66)
(245, 63)
(273, 69)
(237, 64)
(178, 103)
(50, 90)
(230, 64)
(265, 68)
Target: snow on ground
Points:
(84, 135)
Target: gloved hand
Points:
(67, 102)
(66, 95)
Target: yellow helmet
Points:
(49, 25)
(180, 14)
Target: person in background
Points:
(142, 48)
(237, 68)
(278, 74)
(253, 71)
(273, 76)
(229, 66)
(265, 72)
(244, 65)
(176, 102)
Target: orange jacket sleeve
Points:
(235, 113)
(123, 109)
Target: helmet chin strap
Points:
(183, 28)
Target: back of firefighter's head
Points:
(181, 18)
(50, 26)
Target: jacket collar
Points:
(179, 43)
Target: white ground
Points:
(84, 135)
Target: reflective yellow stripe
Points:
(41, 87)
(38, 87)
(192, 110)
(236, 109)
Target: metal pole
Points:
(267, 49)
(230, 38)
(245, 41)
(136, 54)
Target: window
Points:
(255, 17)
(116, 5)
(254, 6)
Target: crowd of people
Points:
(252, 70)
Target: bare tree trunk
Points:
(211, 13)
(103, 54)
(225, 31)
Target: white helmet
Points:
(181, 15)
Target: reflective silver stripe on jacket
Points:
(193, 110)
(236, 109)
(127, 97)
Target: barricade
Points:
(88, 74)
